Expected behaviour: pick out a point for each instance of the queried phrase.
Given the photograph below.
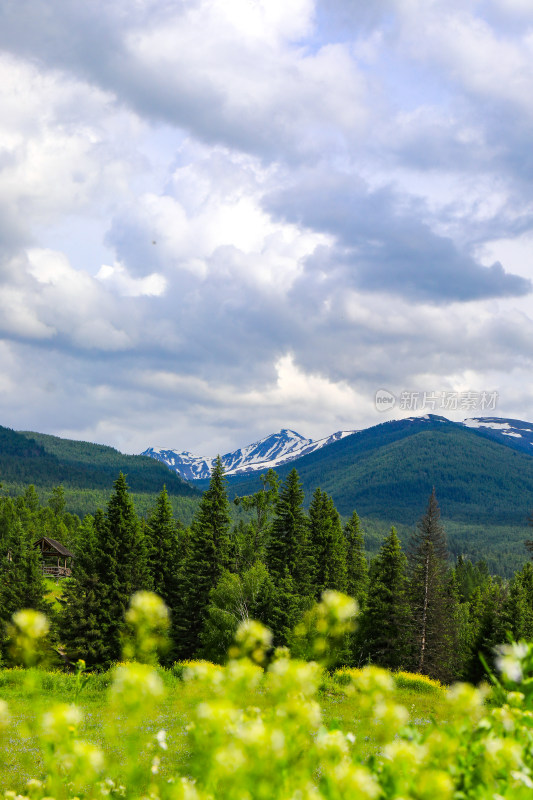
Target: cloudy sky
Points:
(223, 217)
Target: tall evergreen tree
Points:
(113, 568)
(164, 560)
(516, 616)
(487, 614)
(82, 629)
(356, 563)
(383, 633)
(327, 545)
(208, 554)
(434, 629)
(21, 579)
(287, 550)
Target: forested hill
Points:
(387, 471)
(47, 461)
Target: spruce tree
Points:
(21, 579)
(288, 549)
(434, 629)
(356, 563)
(285, 609)
(105, 586)
(383, 633)
(516, 616)
(164, 560)
(82, 629)
(489, 628)
(327, 545)
(208, 554)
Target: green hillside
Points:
(86, 471)
(388, 471)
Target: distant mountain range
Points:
(270, 452)
(482, 470)
(281, 448)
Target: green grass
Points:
(20, 757)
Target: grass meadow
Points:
(29, 693)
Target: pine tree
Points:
(111, 569)
(433, 610)
(57, 501)
(82, 629)
(517, 611)
(383, 634)
(288, 551)
(356, 563)
(285, 609)
(327, 545)
(164, 560)
(21, 579)
(208, 554)
(487, 615)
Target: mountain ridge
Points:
(272, 451)
(277, 449)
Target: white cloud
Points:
(117, 277)
(227, 216)
(475, 54)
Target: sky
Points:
(219, 218)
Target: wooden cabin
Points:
(56, 560)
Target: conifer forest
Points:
(417, 610)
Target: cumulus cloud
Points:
(381, 246)
(222, 217)
(226, 71)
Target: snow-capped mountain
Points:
(270, 452)
(287, 445)
(514, 433)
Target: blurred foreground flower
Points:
(28, 637)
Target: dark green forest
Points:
(419, 608)
(386, 472)
(85, 471)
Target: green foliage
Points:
(234, 600)
(327, 545)
(356, 563)
(433, 598)
(48, 461)
(207, 555)
(253, 536)
(264, 734)
(165, 560)
(112, 565)
(385, 623)
(287, 550)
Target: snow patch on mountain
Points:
(270, 452)
(498, 427)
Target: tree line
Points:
(416, 611)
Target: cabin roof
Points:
(53, 545)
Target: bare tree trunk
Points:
(424, 615)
